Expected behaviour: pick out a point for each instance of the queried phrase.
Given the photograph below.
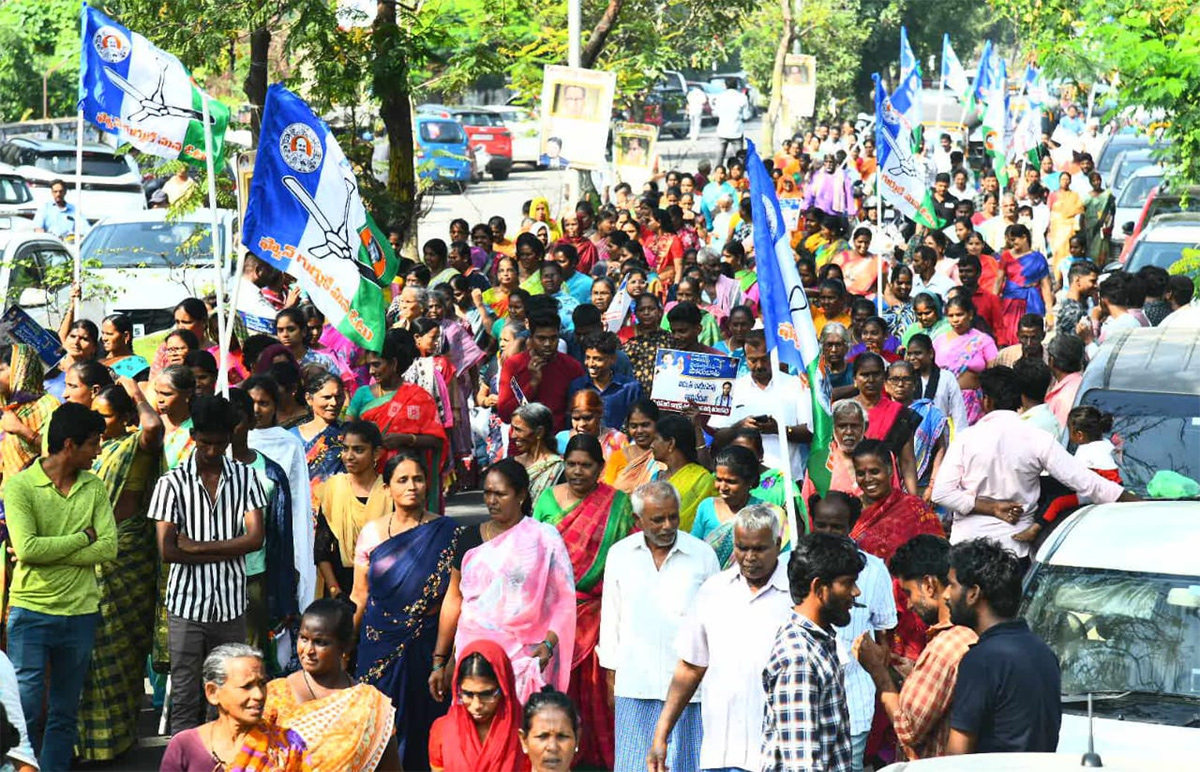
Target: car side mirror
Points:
(1112, 267)
(1127, 229)
(33, 297)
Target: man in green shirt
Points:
(60, 524)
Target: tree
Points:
(1148, 47)
(40, 38)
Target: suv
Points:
(1163, 240)
(111, 182)
(1113, 147)
(1132, 197)
(35, 273)
(16, 200)
(485, 131)
(1165, 199)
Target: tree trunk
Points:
(255, 84)
(395, 109)
(776, 104)
(595, 43)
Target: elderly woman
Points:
(238, 739)
(412, 304)
(535, 448)
(835, 345)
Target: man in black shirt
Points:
(1006, 698)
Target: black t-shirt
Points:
(469, 538)
(1008, 692)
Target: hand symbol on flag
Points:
(154, 106)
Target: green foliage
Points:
(1188, 265)
(1152, 46)
(38, 37)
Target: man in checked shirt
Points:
(807, 722)
(920, 710)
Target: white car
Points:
(143, 265)
(1132, 198)
(35, 273)
(111, 181)
(1115, 592)
(526, 132)
(16, 200)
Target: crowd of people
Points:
(633, 597)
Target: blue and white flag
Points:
(908, 60)
(305, 217)
(910, 80)
(143, 94)
(787, 319)
(901, 170)
(954, 77)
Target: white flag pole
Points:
(942, 91)
(879, 258)
(77, 273)
(222, 338)
(789, 486)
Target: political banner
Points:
(683, 378)
(576, 112)
(144, 95)
(633, 152)
(901, 172)
(16, 326)
(799, 92)
(305, 217)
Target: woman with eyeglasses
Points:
(191, 315)
(480, 732)
(887, 419)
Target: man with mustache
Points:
(807, 723)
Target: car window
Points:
(1160, 253)
(149, 244)
(1138, 189)
(25, 273)
(1152, 431)
(1170, 205)
(1128, 167)
(14, 191)
(442, 133)
(1114, 149)
(94, 164)
(476, 119)
(57, 266)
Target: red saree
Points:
(454, 741)
(881, 417)
(412, 411)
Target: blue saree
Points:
(407, 579)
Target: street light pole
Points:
(574, 30)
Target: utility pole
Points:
(574, 31)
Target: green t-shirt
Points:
(256, 562)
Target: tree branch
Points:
(595, 44)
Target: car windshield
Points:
(1130, 164)
(13, 190)
(1161, 253)
(1118, 631)
(1108, 158)
(477, 119)
(1152, 431)
(1135, 193)
(442, 133)
(94, 164)
(149, 244)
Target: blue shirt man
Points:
(618, 392)
(56, 216)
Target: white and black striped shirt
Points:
(207, 592)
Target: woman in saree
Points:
(239, 739)
(772, 483)
(348, 502)
(348, 726)
(887, 419)
(1066, 206)
(518, 307)
(927, 308)
(1025, 283)
(586, 411)
(966, 352)
(573, 235)
(322, 434)
(26, 408)
(174, 388)
(292, 330)
(480, 730)
(81, 342)
(874, 338)
(930, 435)
(1099, 208)
(860, 268)
(128, 464)
(664, 248)
(900, 314)
(539, 212)
(292, 409)
(849, 428)
(401, 573)
(591, 517)
(511, 583)
(406, 415)
(833, 240)
(192, 315)
(688, 291)
(737, 475)
(533, 446)
(116, 333)
(634, 464)
(676, 444)
(530, 254)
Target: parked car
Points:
(1167, 198)
(1115, 592)
(1129, 162)
(743, 85)
(1163, 239)
(706, 114)
(35, 273)
(443, 142)
(1114, 146)
(16, 200)
(665, 105)
(143, 265)
(488, 137)
(526, 132)
(1132, 197)
(111, 181)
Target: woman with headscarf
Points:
(479, 732)
(573, 235)
(539, 212)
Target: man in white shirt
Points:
(765, 393)
(941, 154)
(991, 476)
(650, 579)
(696, 100)
(725, 643)
(874, 613)
(730, 108)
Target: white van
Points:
(111, 181)
(1115, 592)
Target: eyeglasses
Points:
(177, 349)
(491, 695)
(900, 379)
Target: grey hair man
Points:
(649, 578)
(729, 631)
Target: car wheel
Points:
(499, 175)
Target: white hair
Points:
(835, 328)
(660, 491)
(758, 517)
(844, 406)
(216, 665)
(420, 296)
(708, 255)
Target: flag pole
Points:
(942, 90)
(789, 484)
(210, 164)
(879, 259)
(77, 272)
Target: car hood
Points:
(1172, 745)
(149, 288)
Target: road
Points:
(490, 197)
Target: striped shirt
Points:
(207, 592)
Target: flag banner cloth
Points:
(983, 76)
(787, 320)
(305, 217)
(901, 171)
(144, 95)
(995, 127)
(954, 77)
(908, 60)
(910, 81)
